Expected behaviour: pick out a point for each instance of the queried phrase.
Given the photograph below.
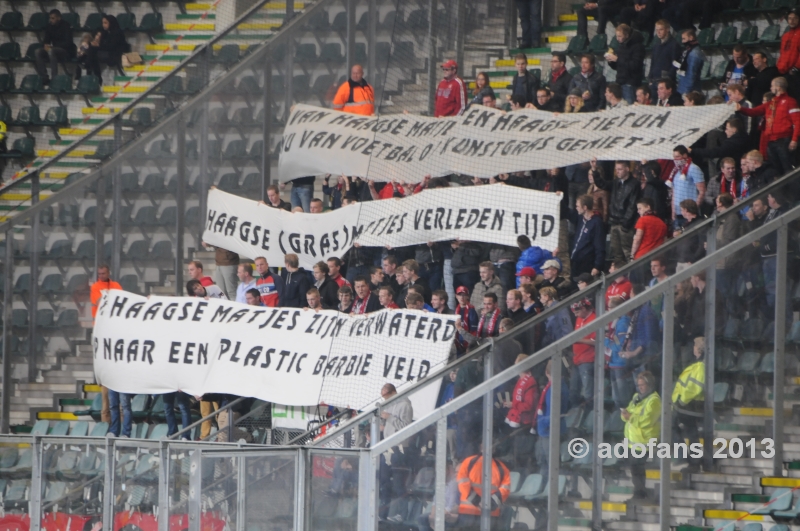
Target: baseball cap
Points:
(795, 11)
(586, 278)
(583, 303)
(552, 263)
(527, 272)
(450, 64)
(462, 289)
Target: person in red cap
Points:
(451, 95)
(469, 318)
(526, 275)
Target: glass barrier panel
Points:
(73, 482)
(270, 490)
(220, 494)
(136, 471)
(333, 490)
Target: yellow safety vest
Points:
(645, 421)
(690, 385)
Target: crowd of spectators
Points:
(635, 206)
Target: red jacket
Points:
(582, 353)
(451, 97)
(619, 289)
(782, 117)
(790, 51)
(524, 401)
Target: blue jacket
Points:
(543, 420)
(689, 73)
(588, 244)
(662, 57)
(614, 343)
(447, 395)
(534, 257)
(557, 326)
(646, 330)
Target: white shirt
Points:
(242, 288)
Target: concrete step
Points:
(680, 496)
(45, 387)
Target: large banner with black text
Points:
(482, 142)
(155, 345)
(495, 213)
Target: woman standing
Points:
(642, 422)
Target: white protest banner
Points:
(483, 142)
(285, 355)
(493, 213)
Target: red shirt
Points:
(269, 291)
(387, 192)
(583, 353)
(782, 117)
(451, 97)
(790, 51)
(206, 282)
(340, 281)
(621, 288)
(654, 229)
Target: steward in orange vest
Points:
(355, 95)
(470, 485)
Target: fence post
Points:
(8, 280)
(180, 200)
(116, 190)
(266, 161)
(432, 59)
(351, 35)
(34, 292)
(441, 473)
(461, 35)
(195, 489)
(668, 313)
(35, 506)
(108, 485)
(710, 335)
(163, 484)
(778, 375)
(488, 427)
(598, 412)
(300, 474)
(554, 450)
(100, 223)
(372, 39)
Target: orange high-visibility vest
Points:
(470, 485)
(355, 99)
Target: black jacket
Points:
(596, 85)
(675, 100)
(760, 85)
(622, 204)
(60, 36)
(526, 85)
(113, 40)
(734, 147)
(690, 248)
(282, 205)
(297, 285)
(551, 106)
(545, 182)
(329, 293)
(426, 255)
(466, 258)
(564, 287)
(762, 176)
(560, 89)
(400, 298)
(588, 245)
(657, 192)
(661, 59)
(630, 60)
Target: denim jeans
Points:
(581, 384)
(468, 279)
(354, 271)
(169, 412)
(622, 388)
(432, 273)
(301, 196)
(629, 93)
(115, 400)
(530, 19)
(447, 274)
(507, 272)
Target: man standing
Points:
(628, 61)
(58, 46)
(602, 11)
(651, 231)
(760, 84)
(451, 95)
(591, 83)
(740, 71)
(514, 309)
(530, 20)
(270, 286)
(410, 276)
(355, 95)
(489, 283)
(274, 199)
(782, 125)
(666, 51)
(581, 381)
(227, 263)
(691, 61)
(588, 246)
(550, 271)
(525, 83)
(689, 250)
(103, 283)
(439, 302)
(246, 282)
(391, 276)
(789, 58)
(386, 298)
(489, 323)
(328, 289)
(296, 280)
(622, 211)
(687, 182)
(314, 300)
(761, 172)
(365, 301)
(335, 268)
(559, 80)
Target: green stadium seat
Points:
(577, 45)
(73, 19)
(38, 21)
(99, 429)
(61, 428)
(19, 318)
(11, 21)
(785, 4)
(158, 432)
(139, 117)
(339, 23)
(718, 71)
(256, 150)
(305, 53)
(130, 283)
(530, 487)
(363, 22)
(27, 116)
(417, 20)
(52, 283)
(230, 181)
(30, 84)
(726, 37)
(5, 116)
(22, 148)
(41, 427)
(146, 217)
(127, 21)
(747, 362)
(60, 249)
(61, 84)
(151, 22)
(30, 54)
(9, 51)
(248, 85)
(55, 116)
(785, 515)
(171, 85)
(318, 22)
(361, 52)
(599, 44)
(301, 86)
(781, 500)
(162, 251)
(392, 19)
(105, 148)
(228, 55)
(721, 392)
(706, 37)
(331, 52)
(88, 84)
(749, 35)
(771, 34)
(252, 181)
(44, 318)
(94, 22)
(68, 318)
(6, 82)
(767, 365)
(383, 51)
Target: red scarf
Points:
(684, 171)
(360, 305)
(540, 405)
(463, 312)
(494, 317)
(727, 188)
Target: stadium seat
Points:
(11, 21)
(55, 117)
(577, 45)
(599, 44)
(94, 22)
(30, 53)
(331, 52)
(361, 52)
(391, 20)
(88, 84)
(73, 19)
(145, 217)
(22, 148)
(248, 85)
(706, 37)
(37, 22)
(44, 318)
(230, 181)
(771, 35)
(127, 21)
(163, 251)
(158, 432)
(305, 53)
(30, 84)
(61, 84)
(726, 37)
(52, 283)
(139, 118)
(105, 148)
(10, 51)
(235, 150)
(781, 500)
(319, 22)
(41, 427)
(26, 116)
(339, 23)
(5, 114)
(530, 487)
(130, 283)
(151, 22)
(228, 55)
(19, 318)
(60, 429)
(749, 35)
